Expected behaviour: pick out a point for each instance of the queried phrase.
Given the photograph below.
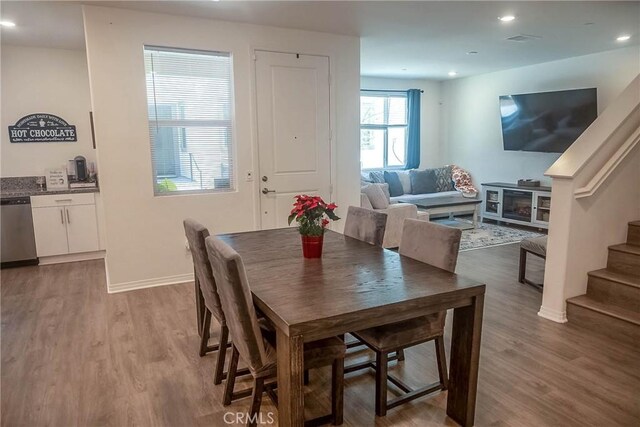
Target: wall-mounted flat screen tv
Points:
(548, 121)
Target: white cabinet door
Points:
(82, 228)
(49, 225)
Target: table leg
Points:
(475, 217)
(465, 357)
(290, 380)
(199, 302)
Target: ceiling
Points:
(398, 39)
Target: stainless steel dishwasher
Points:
(18, 243)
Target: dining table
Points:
(354, 286)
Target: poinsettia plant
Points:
(312, 214)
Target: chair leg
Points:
(400, 354)
(204, 339)
(306, 377)
(381, 384)
(199, 302)
(441, 357)
(222, 353)
(256, 402)
(522, 265)
(337, 391)
(231, 376)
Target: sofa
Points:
(382, 190)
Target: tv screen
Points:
(549, 121)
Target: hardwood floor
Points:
(74, 355)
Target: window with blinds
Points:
(189, 102)
(383, 129)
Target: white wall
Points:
(430, 153)
(470, 129)
(41, 80)
(145, 238)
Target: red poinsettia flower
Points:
(312, 213)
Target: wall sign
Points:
(42, 127)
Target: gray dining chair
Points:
(366, 225)
(432, 244)
(255, 340)
(207, 295)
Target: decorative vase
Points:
(312, 246)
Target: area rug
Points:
(487, 235)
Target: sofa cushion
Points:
(423, 182)
(444, 181)
(395, 186)
(376, 195)
(377, 177)
(405, 180)
(409, 198)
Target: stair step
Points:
(633, 233)
(625, 259)
(613, 288)
(615, 322)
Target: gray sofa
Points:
(398, 211)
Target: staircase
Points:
(612, 303)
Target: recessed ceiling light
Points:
(507, 18)
(7, 24)
(623, 38)
(452, 73)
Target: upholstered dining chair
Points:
(432, 244)
(366, 225)
(255, 340)
(207, 295)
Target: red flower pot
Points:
(312, 246)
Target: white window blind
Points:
(189, 101)
(383, 130)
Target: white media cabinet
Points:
(516, 204)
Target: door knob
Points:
(267, 191)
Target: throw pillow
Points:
(405, 180)
(376, 196)
(377, 177)
(443, 179)
(423, 182)
(395, 186)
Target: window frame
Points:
(183, 124)
(386, 94)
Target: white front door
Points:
(294, 135)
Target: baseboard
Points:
(554, 315)
(59, 259)
(113, 288)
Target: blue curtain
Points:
(413, 123)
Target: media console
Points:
(517, 204)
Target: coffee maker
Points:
(80, 164)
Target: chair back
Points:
(431, 243)
(237, 303)
(366, 225)
(196, 234)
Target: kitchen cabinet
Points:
(65, 224)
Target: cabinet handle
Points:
(68, 217)
(64, 200)
(61, 217)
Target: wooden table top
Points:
(301, 295)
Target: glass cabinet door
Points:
(543, 208)
(492, 202)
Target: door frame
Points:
(257, 217)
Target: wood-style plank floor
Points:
(73, 355)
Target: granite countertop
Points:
(27, 186)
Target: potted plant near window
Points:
(312, 215)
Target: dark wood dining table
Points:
(352, 287)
